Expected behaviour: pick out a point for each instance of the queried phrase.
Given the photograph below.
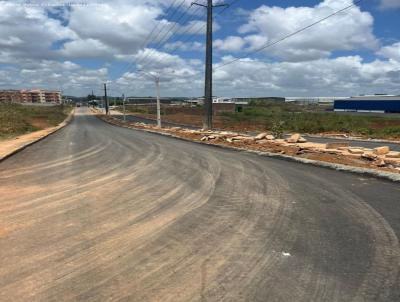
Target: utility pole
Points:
(106, 99)
(157, 79)
(123, 106)
(208, 91)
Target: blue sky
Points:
(77, 47)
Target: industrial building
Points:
(369, 103)
(30, 96)
(319, 100)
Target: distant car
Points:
(78, 105)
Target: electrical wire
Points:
(195, 33)
(149, 40)
(166, 35)
(289, 35)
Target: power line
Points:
(166, 34)
(157, 25)
(188, 30)
(149, 40)
(195, 33)
(289, 35)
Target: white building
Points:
(320, 100)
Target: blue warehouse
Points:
(373, 103)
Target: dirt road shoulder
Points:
(12, 146)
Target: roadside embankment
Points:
(378, 162)
(11, 146)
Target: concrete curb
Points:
(57, 128)
(338, 167)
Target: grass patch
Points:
(281, 117)
(303, 121)
(16, 119)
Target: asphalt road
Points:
(101, 213)
(322, 140)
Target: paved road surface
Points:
(322, 140)
(101, 213)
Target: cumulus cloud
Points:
(41, 47)
(231, 43)
(28, 32)
(323, 77)
(49, 74)
(391, 51)
(347, 31)
(182, 46)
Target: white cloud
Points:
(39, 51)
(53, 75)
(351, 30)
(28, 32)
(391, 51)
(182, 46)
(340, 76)
(231, 43)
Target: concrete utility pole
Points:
(106, 99)
(123, 106)
(208, 91)
(157, 81)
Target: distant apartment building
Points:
(10, 96)
(30, 96)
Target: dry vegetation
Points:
(287, 117)
(17, 119)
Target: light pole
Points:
(157, 82)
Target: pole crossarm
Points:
(205, 6)
(198, 4)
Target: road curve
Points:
(100, 213)
(311, 138)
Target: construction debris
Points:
(393, 154)
(294, 138)
(261, 136)
(382, 150)
(336, 152)
(302, 140)
(380, 163)
(355, 151)
(369, 156)
(337, 145)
